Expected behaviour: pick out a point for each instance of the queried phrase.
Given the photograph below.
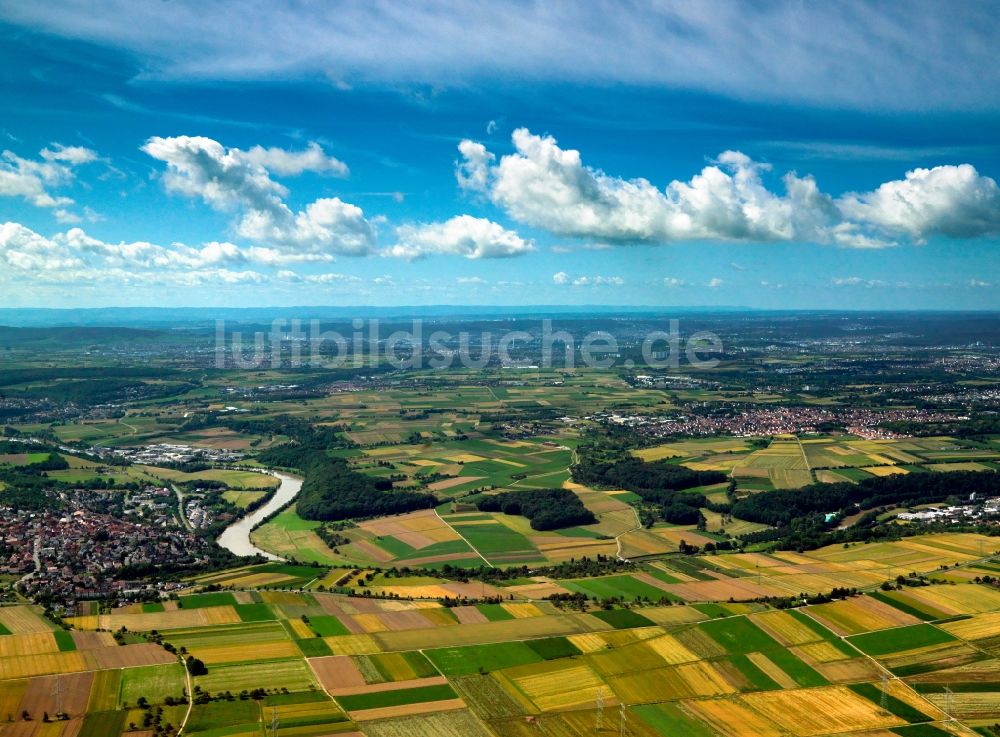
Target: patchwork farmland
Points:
(920, 660)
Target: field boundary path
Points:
(187, 714)
(805, 458)
(618, 538)
(471, 546)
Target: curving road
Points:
(236, 537)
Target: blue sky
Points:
(759, 154)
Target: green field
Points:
(460, 661)
(622, 587)
(327, 625)
(623, 618)
(738, 635)
(397, 698)
(900, 639)
(155, 682)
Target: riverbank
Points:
(236, 537)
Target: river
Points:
(236, 537)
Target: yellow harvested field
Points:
(23, 619)
(34, 643)
(785, 628)
(820, 711)
(950, 601)
(238, 652)
(860, 614)
(177, 619)
(685, 681)
(436, 591)
(465, 457)
(885, 470)
(659, 452)
(10, 696)
(588, 643)
(977, 628)
(42, 664)
(672, 650)
(556, 685)
(733, 719)
(821, 652)
(301, 629)
(352, 645)
(980, 705)
(522, 611)
(371, 623)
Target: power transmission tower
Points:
(600, 710)
(947, 701)
(274, 722)
(884, 702)
(622, 727)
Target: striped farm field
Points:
(34, 643)
(236, 653)
(167, 620)
(684, 681)
(293, 674)
(451, 724)
(860, 614)
(25, 666)
(791, 627)
(820, 711)
(556, 685)
(20, 620)
(977, 627)
(942, 602)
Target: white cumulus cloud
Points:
(231, 180)
(545, 186)
(292, 163)
(953, 201)
(463, 235)
(33, 180)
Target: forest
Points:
(547, 509)
(779, 508)
(660, 485)
(331, 490)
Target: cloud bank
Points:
(927, 54)
(545, 186)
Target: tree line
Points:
(779, 508)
